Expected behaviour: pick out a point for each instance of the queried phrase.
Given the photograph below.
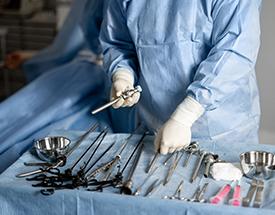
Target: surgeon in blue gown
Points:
(195, 63)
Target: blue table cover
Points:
(17, 196)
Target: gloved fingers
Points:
(132, 100)
(127, 102)
(119, 87)
(179, 148)
(112, 97)
(171, 149)
(119, 103)
(164, 149)
(135, 99)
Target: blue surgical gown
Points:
(204, 49)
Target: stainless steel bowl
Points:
(50, 148)
(255, 164)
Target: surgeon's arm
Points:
(118, 47)
(235, 45)
(91, 21)
(120, 60)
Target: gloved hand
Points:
(175, 134)
(123, 80)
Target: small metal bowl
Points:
(255, 163)
(50, 148)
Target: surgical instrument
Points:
(198, 195)
(101, 168)
(154, 187)
(251, 192)
(63, 159)
(153, 162)
(37, 164)
(109, 166)
(198, 166)
(112, 163)
(127, 185)
(177, 193)
(172, 168)
(223, 192)
(117, 158)
(138, 190)
(101, 156)
(93, 153)
(192, 148)
(168, 158)
(125, 95)
(237, 198)
(209, 160)
(102, 136)
(258, 198)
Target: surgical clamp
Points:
(251, 192)
(153, 162)
(109, 166)
(138, 190)
(177, 193)
(198, 166)
(117, 158)
(198, 195)
(154, 187)
(168, 158)
(172, 168)
(127, 185)
(125, 95)
(192, 148)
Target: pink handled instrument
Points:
(223, 192)
(237, 199)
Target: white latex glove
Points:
(175, 134)
(123, 80)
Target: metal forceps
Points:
(152, 162)
(125, 95)
(198, 195)
(48, 181)
(192, 148)
(138, 190)
(172, 168)
(155, 186)
(177, 192)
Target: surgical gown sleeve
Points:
(91, 23)
(234, 49)
(118, 47)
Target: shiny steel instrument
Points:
(125, 95)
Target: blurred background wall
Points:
(266, 72)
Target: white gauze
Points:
(225, 171)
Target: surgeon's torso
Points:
(172, 37)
